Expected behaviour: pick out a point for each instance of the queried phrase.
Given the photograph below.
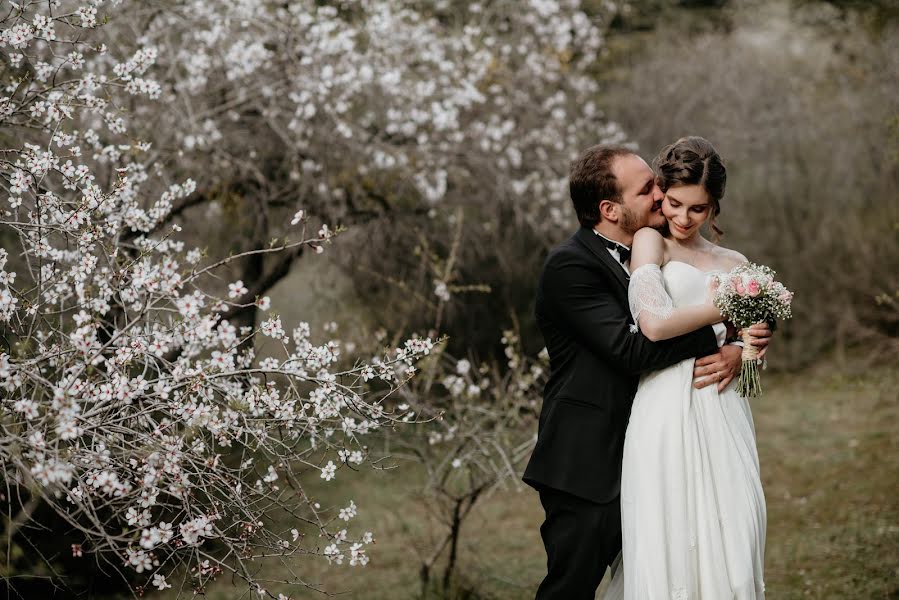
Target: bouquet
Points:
(749, 294)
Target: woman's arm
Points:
(650, 303)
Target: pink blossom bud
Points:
(754, 288)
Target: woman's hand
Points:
(710, 298)
(712, 289)
(761, 332)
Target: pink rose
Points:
(754, 288)
(738, 285)
(786, 297)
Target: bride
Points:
(692, 507)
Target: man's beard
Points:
(629, 221)
(663, 228)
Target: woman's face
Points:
(686, 207)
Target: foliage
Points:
(826, 441)
(391, 114)
(796, 103)
(131, 405)
(356, 107)
(482, 414)
(485, 418)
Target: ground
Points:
(828, 448)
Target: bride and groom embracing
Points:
(645, 458)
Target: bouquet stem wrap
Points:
(749, 384)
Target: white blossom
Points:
(328, 471)
(237, 289)
(194, 530)
(349, 512)
(160, 583)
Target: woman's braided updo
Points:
(694, 161)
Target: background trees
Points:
(140, 405)
(175, 174)
(793, 96)
(388, 114)
(134, 409)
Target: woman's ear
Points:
(608, 210)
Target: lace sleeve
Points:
(646, 292)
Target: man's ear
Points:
(608, 210)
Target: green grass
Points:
(828, 447)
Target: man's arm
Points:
(593, 314)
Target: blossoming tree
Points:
(483, 418)
(135, 403)
(130, 405)
(357, 111)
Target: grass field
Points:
(827, 440)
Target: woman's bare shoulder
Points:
(648, 247)
(648, 235)
(728, 258)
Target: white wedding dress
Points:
(692, 507)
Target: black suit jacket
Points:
(595, 364)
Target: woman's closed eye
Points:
(697, 209)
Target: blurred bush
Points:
(795, 98)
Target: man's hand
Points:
(720, 368)
(762, 332)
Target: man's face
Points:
(641, 198)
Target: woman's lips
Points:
(681, 229)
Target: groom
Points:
(595, 362)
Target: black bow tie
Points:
(624, 253)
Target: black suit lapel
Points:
(588, 238)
